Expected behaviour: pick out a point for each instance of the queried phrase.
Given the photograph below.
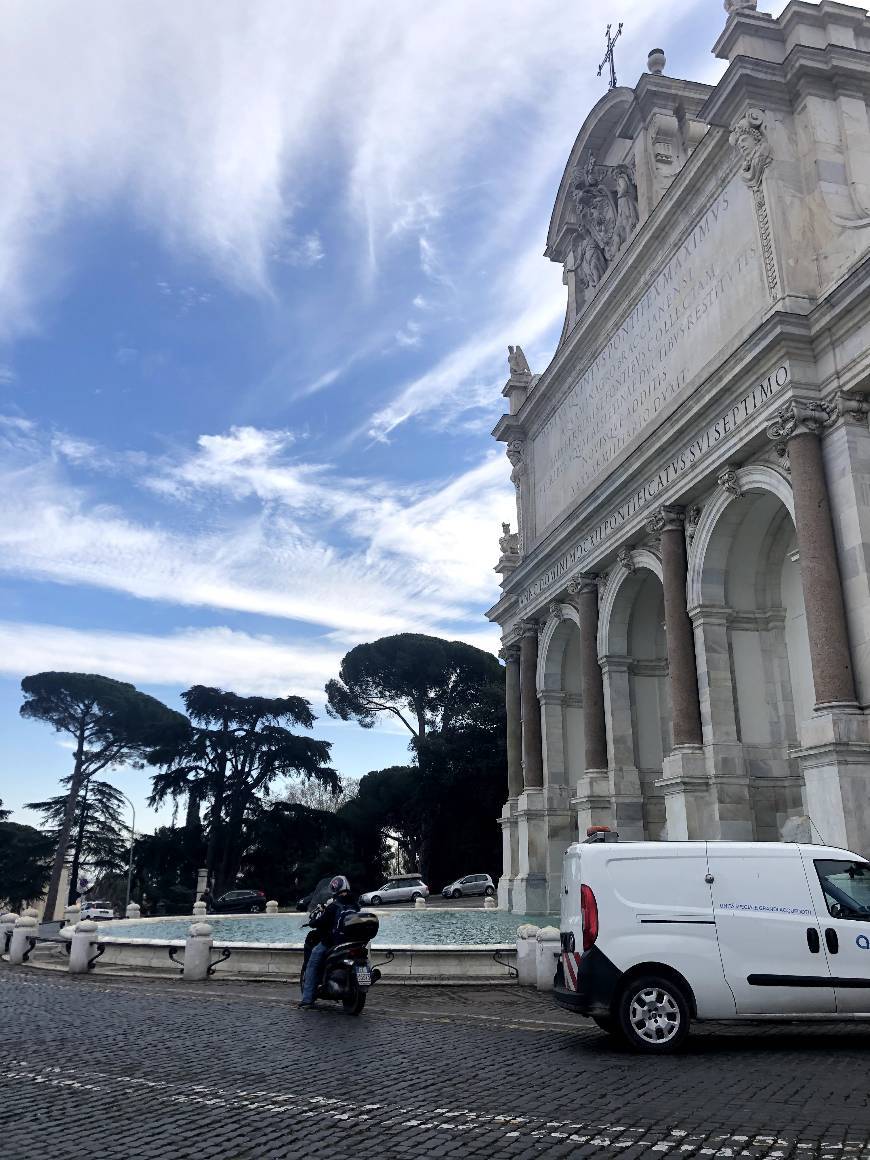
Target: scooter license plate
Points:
(363, 977)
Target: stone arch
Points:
(619, 575)
(633, 653)
(559, 692)
(757, 478)
(746, 601)
(548, 657)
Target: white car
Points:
(402, 888)
(655, 935)
(97, 910)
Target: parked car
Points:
(470, 884)
(655, 935)
(402, 888)
(97, 910)
(240, 902)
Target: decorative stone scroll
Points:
(728, 481)
(749, 136)
(856, 408)
(693, 517)
(515, 452)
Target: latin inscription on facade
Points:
(686, 458)
(710, 289)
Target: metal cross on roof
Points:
(608, 56)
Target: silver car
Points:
(405, 888)
(470, 884)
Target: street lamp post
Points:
(132, 840)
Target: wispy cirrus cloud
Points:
(212, 120)
(247, 527)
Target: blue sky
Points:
(259, 267)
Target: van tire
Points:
(653, 1014)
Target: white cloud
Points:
(214, 656)
(211, 119)
(249, 529)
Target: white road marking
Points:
(607, 1137)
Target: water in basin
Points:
(399, 928)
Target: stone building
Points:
(686, 599)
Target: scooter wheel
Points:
(355, 1003)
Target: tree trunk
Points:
(215, 827)
(232, 854)
(65, 827)
(77, 849)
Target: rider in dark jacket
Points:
(326, 921)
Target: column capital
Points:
(510, 653)
(583, 582)
(800, 417)
(528, 628)
(667, 518)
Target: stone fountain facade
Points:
(686, 599)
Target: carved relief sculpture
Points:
(605, 205)
(693, 516)
(626, 560)
(515, 453)
(749, 137)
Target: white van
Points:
(656, 934)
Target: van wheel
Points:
(654, 1015)
(606, 1023)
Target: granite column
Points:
(533, 766)
(511, 654)
(584, 589)
(796, 429)
(682, 668)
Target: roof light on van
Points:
(601, 834)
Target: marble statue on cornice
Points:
(518, 363)
(740, 6)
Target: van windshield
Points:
(846, 886)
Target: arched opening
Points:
(562, 705)
(637, 696)
(751, 605)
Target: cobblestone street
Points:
(115, 1068)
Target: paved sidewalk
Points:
(112, 1069)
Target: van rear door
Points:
(772, 946)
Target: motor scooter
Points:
(347, 973)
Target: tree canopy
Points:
(450, 696)
(231, 751)
(111, 724)
(25, 864)
(425, 682)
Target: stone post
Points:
(26, 927)
(526, 949)
(584, 589)
(71, 915)
(533, 766)
(133, 910)
(546, 955)
(272, 906)
(513, 708)
(7, 925)
(199, 910)
(82, 944)
(682, 668)
(796, 429)
(197, 953)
